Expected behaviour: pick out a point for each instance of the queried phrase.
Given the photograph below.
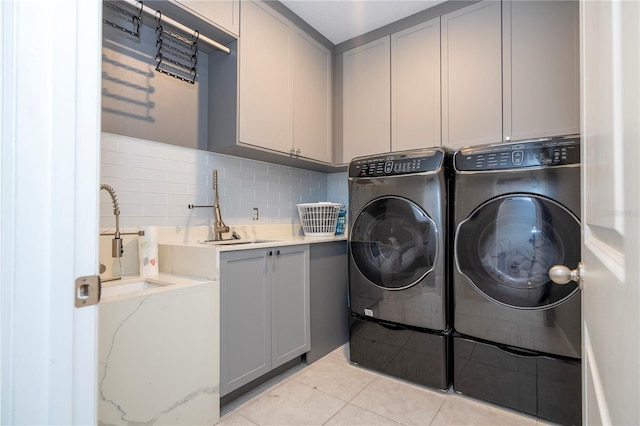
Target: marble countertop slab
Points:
(167, 282)
(158, 355)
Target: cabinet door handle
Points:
(270, 253)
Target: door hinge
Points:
(87, 291)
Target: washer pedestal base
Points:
(417, 355)
(537, 384)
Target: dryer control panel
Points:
(400, 163)
(539, 153)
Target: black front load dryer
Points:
(397, 265)
(517, 339)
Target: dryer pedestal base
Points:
(419, 356)
(548, 388)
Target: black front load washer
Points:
(517, 339)
(397, 265)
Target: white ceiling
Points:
(340, 20)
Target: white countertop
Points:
(165, 282)
(201, 259)
(260, 243)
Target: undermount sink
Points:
(234, 241)
(117, 288)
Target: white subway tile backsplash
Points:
(224, 162)
(242, 174)
(109, 142)
(168, 188)
(276, 170)
(132, 197)
(187, 177)
(149, 149)
(156, 210)
(228, 187)
(144, 174)
(251, 184)
(108, 170)
(264, 178)
(120, 184)
(255, 166)
(186, 199)
(155, 182)
(338, 188)
(168, 165)
(136, 210)
(192, 156)
(118, 158)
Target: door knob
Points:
(560, 274)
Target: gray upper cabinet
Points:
(528, 87)
(223, 13)
(366, 98)
(311, 99)
(415, 87)
(284, 86)
(391, 92)
(541, 69)
(265, 86)
(264, 312)
(472, 75)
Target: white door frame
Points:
(610, 72)
(49, 177)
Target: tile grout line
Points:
(446, 397)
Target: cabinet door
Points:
(366, 99)
(415, 87)
(311, 99)
(472, 75)
(245, 318)
(541, 69)
(264, 88)
(290, 319)
(223, 13)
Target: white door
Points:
(611, 211)
(49, 168)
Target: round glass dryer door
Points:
(393, 243)
(508, 244)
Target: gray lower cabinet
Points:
(329, 283)
(264, 312)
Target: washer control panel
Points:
(401, 163)
(540, 153)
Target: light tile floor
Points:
(332, 391)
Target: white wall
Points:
(155, 182)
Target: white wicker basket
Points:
(319, 219)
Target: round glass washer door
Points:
(507, 246)
(393, 243)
